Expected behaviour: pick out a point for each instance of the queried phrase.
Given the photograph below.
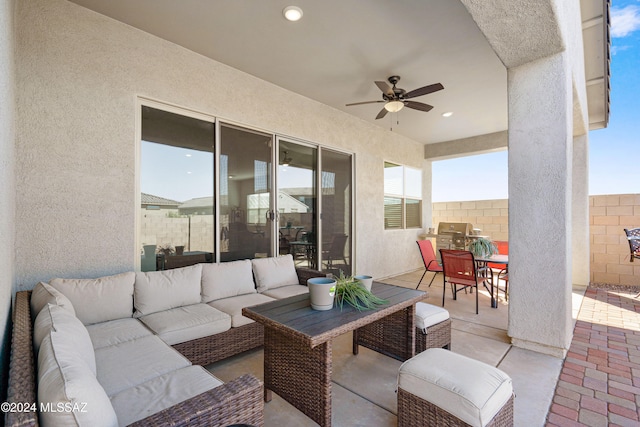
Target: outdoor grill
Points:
(454, 235)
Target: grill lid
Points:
(463, 228)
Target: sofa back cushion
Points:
(99, 300)
(274, 272)
(44, 294)
(68, 392)
(161, 290)
(227, 279)
(70, 332)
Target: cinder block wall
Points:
(609, 215)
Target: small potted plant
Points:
(483, 247)
(351, 291)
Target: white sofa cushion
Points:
(70, 333)
(161, 393)
(227, 279)
(68, 388)
(161, 290)
(44, 294)
(130, 363)
(190, 322)
(116, 332)
(428, 315)
(137, 403)
(286, 291)
(233, 306)
(466, 388)
(99, 300)
(274, 272)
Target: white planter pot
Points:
(322, 291)
(365, 281)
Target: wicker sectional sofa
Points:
(125, 349)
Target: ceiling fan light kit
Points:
(395, 99)
(394, 106)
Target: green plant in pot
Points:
(349, 290)
(483, 247)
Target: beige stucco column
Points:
(580, 214)
(540, 212)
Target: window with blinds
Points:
(402, 197)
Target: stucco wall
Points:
(78, 77)
(7, 186)
(609, 215)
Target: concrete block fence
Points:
(609, 215)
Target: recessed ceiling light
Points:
(447, 114)
(187, 155)
(292, 13)
(230, 176)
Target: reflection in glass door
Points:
(336, 207)
(176, 182)
(296, 202)
(246, 212)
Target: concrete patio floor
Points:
(364, 385)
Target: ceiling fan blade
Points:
(424, 90)
(381, 114)
(385, 88)
(418, 106)
(366, 102)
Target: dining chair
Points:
(503, 272)
(633, 236)
(460, 269)
(429, 259)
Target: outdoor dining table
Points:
(497, 259)
(297, 342)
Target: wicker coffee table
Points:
(297, 343)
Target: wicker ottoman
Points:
(433, 327)
(438, 387)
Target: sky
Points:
(614, 152)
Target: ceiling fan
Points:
(395, 98)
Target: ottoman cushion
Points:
(469, 389)
(429, 315)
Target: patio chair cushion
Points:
(227, 279)
(44, 294)
(117, 331)
(286, 291)
(274, 272)
(233, 306)
(190, 322)
(468, 389)
(131, 363)
(162, 392)
(155, 291)
(429, 315)
(99, 300)
(65, 379)
(69, 330)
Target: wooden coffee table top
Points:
(294, 316)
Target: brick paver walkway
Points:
(599, 384)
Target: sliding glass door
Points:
(336, 206)
(220, 192)
(297, 202)
(176, 184)
(245, 197)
